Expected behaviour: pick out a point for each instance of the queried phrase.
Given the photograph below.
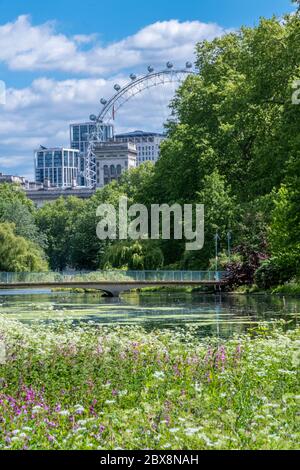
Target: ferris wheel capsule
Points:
(117, 87)
(133, 76)
(93, 117)
(103, 101)
(150, 69)
(189, 65)
(169, 65)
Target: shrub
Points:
(242, 267)
(276, 271)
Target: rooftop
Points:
(141, 134)
(52, 149)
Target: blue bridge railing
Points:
(111, 276)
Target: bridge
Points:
(112, 283)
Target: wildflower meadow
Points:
(93, 387)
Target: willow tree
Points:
(18, 254)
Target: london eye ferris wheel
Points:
(137, 85)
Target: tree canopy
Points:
(18, 254)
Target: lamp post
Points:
(217, 238)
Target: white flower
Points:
(110, 402)
(64, 413)
(37, 409)
(191, 431)
(79, 409)
(82, 422)
(287, 372)
(173, 430)
(159, 375)
(82, 429)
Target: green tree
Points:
(285, 226)
(137, 182)
(23, 218)
(86, 250)
(58, 221)
(18, 254)
(220, 212)
(236, 115)
(134, 255)
(13, 193)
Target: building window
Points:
(57, 159)
(40, 160)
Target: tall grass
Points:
(93, 387)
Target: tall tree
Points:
(236, 115)
(58, 221)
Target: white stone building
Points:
(147, 144)
(112, 158)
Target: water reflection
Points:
(215, 315)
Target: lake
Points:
(221, 315)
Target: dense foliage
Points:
(21, 243)
(138, 255)
(17, 253)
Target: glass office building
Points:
(79, 139)
(79, 134)
(57, 167)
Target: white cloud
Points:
(41, 112)
(13, 161)
(27, 47)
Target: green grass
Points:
(290, 288)
(78, 290)
(93, 387)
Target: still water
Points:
(214, 315)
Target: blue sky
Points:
(58, 58)
(113, 20)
